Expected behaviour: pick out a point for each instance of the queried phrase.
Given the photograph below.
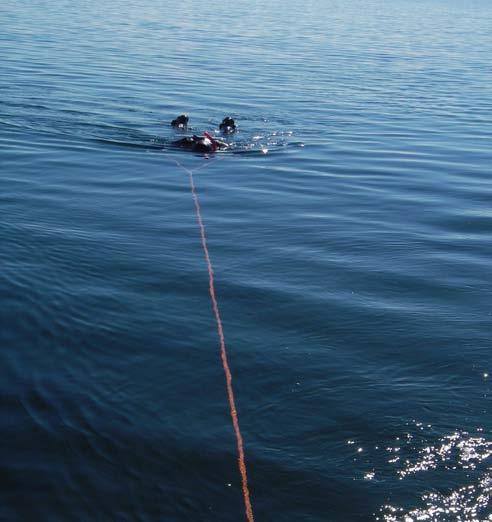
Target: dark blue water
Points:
(350, 230)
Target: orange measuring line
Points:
(223, 351)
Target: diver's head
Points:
(227, 125)
(181, 121)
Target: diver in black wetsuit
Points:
(205, 143)
(228, 125)
(181, 122)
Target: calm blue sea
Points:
(350, 230)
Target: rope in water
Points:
(223, 351)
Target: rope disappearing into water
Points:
(223, 351)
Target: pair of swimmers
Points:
(205, 143)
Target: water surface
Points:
(350, 237)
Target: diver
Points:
(228, 125)
(205, 143)
(181, 122)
